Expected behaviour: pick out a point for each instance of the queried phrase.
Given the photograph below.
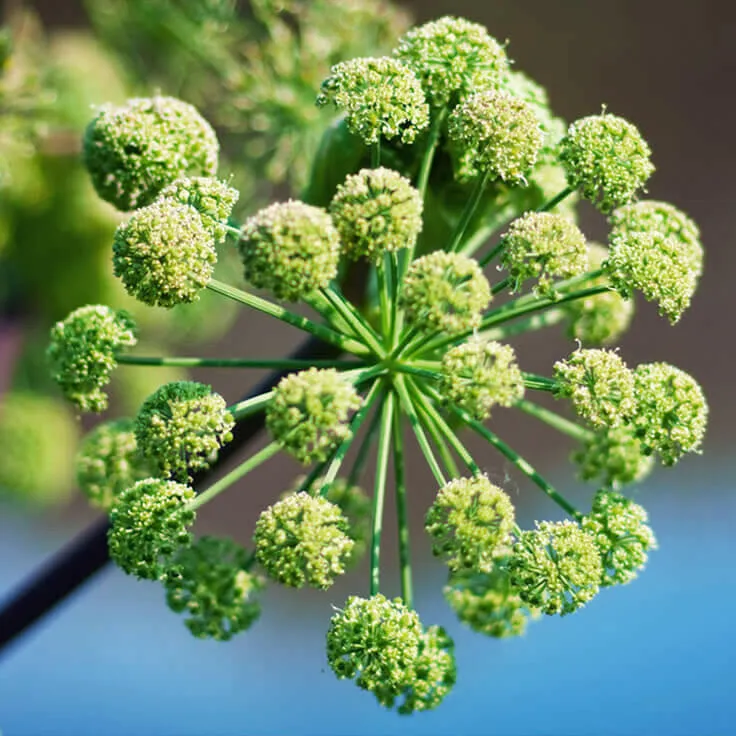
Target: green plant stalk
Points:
(302, 323)
(467, 215)
(402, 514)
(541, 383)
(552, 203)
(379, 495)
(250, 406)
(236, 474)
(409, 409)
(441, 444)
(571, 429)
(535, 322)
(344, 446)
(364, 450)
(285, 364)
(362, 330)
(450, 436)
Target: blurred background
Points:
(653, 656)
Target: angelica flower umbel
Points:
(381, 98)
(181, 426)
(83, 349)
(479, 374)
(210, 582)
(309, 413)
(470, 521)
(452, 57)
(133, 151)
(149, 523)
(303, 540)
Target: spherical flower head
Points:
(164, 254)
(82, 353)
(445, 292)
(38, 436)
(133, 151)
(379, 97)
(149, 523)
(181, 426)
(212, 198)
(452, 57)
(600, 386)
(376, 211)
(375, 641)
(488, 603)
(302, 540)
(656, 249)
(599, 319)
(354, 504)
(480, 374)
(108, 462)
(543, 246)
(672, 412)
(497, 134)
(210, 583)
(614, 457)
(622, 535)
(556, 567)
(469, 521)
(606, 160)
(435, 672)
(309, 412)
(290, 248)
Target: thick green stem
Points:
(376, 154)
(552, 203)
(540, 383)
(488, 257)
(416, 425)
(535, 322)
(501, 285)
(571, 429)
(468, 212)
(250, 406)
(441, 444)
(362, 330)
(355, 425)
(402, 514)
(427, 159)
(302, 323)
(379, 495)
(236, 474)
(283, 364)
(365, 448)
(428, 408)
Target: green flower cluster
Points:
(439, 144)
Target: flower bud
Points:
(181, 427)
(376, 211)
(622, 535)
(480, 374)
(543, 246)
(309, 412)
(164, 254)
(600, 386)
(148, 524)
(213, 199)
(495, 133)
(210, 582)
(656, 249)
(606, 160)
(452, 57)
(133, 151)
(444, 292)
(302, 540)
(291, 249)
(470, 521)
(82, 353)
(672, 412)
(556, 568)
(379, 97)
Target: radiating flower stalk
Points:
(422, 353)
